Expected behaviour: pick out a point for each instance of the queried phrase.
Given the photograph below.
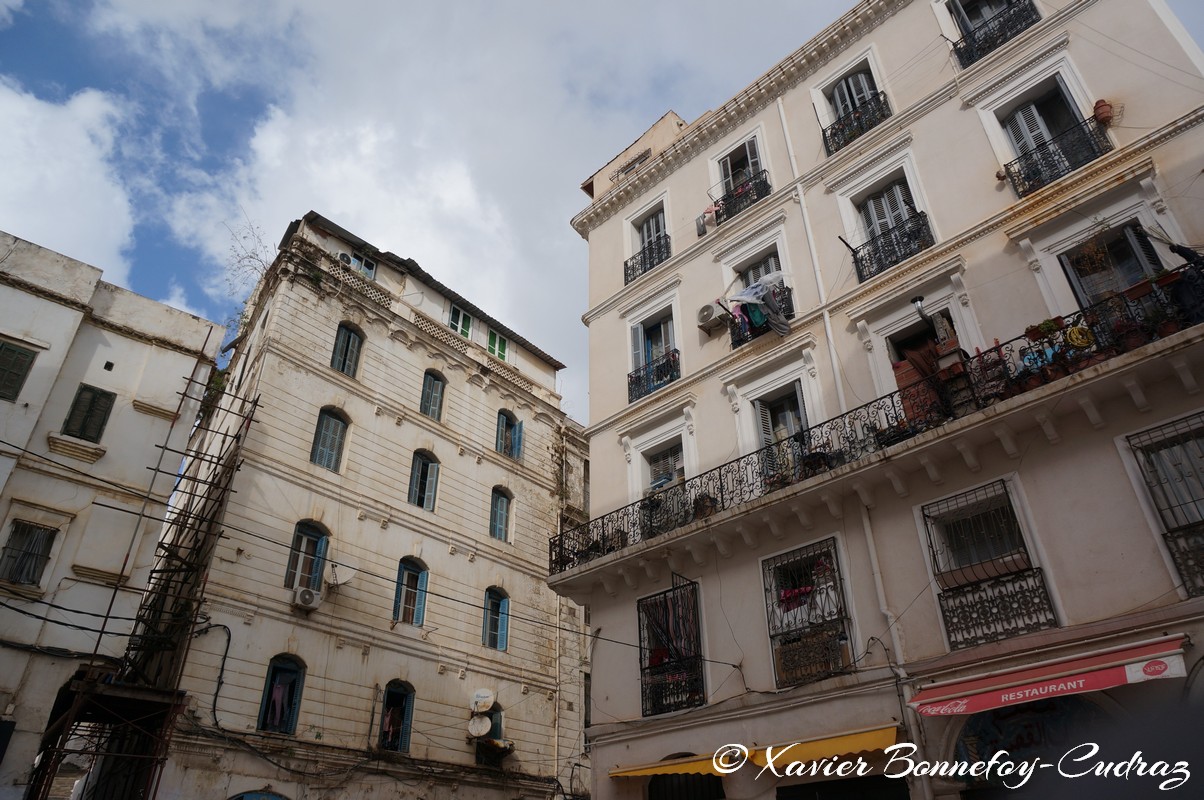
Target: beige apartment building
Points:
(376, 620)
(909, 450)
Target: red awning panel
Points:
(1161, 658)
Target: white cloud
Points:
(7, 7)
(177, 298)
(59, 189)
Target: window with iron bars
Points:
(1171, 458)
(989, 588)
(804, 602)
(671, 660)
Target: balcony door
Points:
(852, 92)
(885, 209)
(652, 228)
(1036, 123)
(971, 14)
(740, 166)
(650, 341)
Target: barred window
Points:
(26, 552)
(671, 674)
(804, 601)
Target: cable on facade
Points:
(72, 625)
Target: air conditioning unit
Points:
(306, 598)
(712, 316)
(345, 258)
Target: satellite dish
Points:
(340, 572)
(479, 726)
(482, 700)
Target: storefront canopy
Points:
(691, 765)
(816, 749)
(1103, 669)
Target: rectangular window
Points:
(671, 665)
(89, 413)
(509, 440)
(497, 344)
(15, 363)
(356, 262)
(26, 552)
(894, 229)
(739, 167)
(665, 467)
(460, 321)
(307, 559)
(989, 588)
(1171, 458)
(1109, 263)
(654, 357)
(804, 601)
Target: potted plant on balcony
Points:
(1129, 335)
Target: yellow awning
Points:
(692, 765)
(815, 749)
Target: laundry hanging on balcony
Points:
(758, 299)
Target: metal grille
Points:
(654, 252)
(804, 602)
(892, 246)
(1061, 155)
(671, 649)
(997, 31)
(743, 331)
(653, 375)
(1171, 458)
(742, 197)
(850, 126)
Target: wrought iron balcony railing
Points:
(744, 331)
(850, 126)
(1060, 156)
(996, 32)
(652, 253)
(817, 652)
(672, 686)
(892, 246)
(653, 375)
(1148, 311)
(999, 608)
(742, 196)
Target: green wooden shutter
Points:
(14, 366)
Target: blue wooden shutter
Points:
(290, 725)
(500, 444)
(432, 481)
(517, 446)
(399, 595)
(315, 579)
(420, 600)
(407, 720)
(488, 608)
(503, 622)
(416, 467)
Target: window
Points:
(499, 515)
(409, 602)
(424, 480)
(281, 695)
(739, 166)
(364, 266)
(858, 107)
(497, 344)
(742, 182)
(397, 717)
(654, 358)
(653, 245)
(307, 560)
(328, 439)
(509, 439)
(894, 229)
(989, 588)
(665, 466)
(497, 619)
(988, 24)
(781, 417)
(431, 403)
(26, 552)
(1049, 138)
(671, 675)
(1110, 262)
(493, 747)
(89, 413)
(15, 363)
(755, 319)
(1171, 459)
(804, 602)
(460, 322)
(346, 355)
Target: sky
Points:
(141, 136)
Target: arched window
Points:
(409, 602)
(509, 435)
(307, 560)
(497, 619)
(282, 695)
(431, 402)
(424, 480)
(328, 439)
(499, 514)
(397, 717)
(347, 345)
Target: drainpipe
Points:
(911, 719)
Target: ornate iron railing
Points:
(744, 331)
(996, 32)
(892, 246)
(656, 250)
(653, 375)
(1145, 312)
(1061, 155)
(850, 126)
(1186, 546)
(810, 655)
(999, 608)
(742, 196)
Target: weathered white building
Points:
(842, 499)
(376, 617)
(97, 386)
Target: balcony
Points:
(850, 126)
(653, 375)
(743, 196)
(996, 32)
(744, 331)
(1146, 312)
(995, 609)
(656, 250)
(818, 652)
(1060, 156)
(893, 246)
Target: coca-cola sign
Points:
(945, 709)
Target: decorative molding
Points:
(155, 411)
(625, 443)
(74, 448)
(733, 396)
(100, 576)
(863, 335)
(1016, 69)
(906, 285)
(881, 153)
(727, 248)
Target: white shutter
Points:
(754, 158)
(852, 92)
(652, 227)
(637, 347)
(764, 422)
(1026, 129)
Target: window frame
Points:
(508, 439)
(1141, 247)
(501, 504)
(14, 562)
(409, 596)
(865, 60)
(424, 480)
(300, 553)
(89, 422)
(403, 689)
(497, 345)
(328, 454)
(348, 346)
(13, 375)
(496, 608)
(460, 321)
(430, 402)
(282, 663)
